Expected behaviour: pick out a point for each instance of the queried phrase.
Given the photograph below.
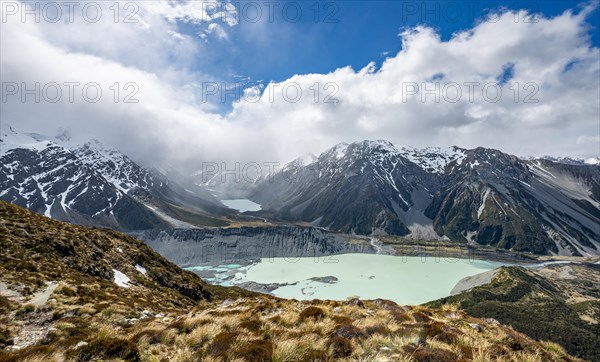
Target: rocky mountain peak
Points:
(93, 184)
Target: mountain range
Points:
(472, 196)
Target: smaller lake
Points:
(242, 205)
(405, 280)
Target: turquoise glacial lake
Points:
(405, 280)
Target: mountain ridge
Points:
(472, 196)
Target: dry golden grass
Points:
(268, 329)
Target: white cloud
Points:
(371, 105)
(171, 125)
(588, 139)
(194, 11)
(217, 30)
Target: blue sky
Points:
(346, 32)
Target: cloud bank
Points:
(546, 69)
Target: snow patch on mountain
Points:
(117, 168)
(567, 160)
(482, 206)
(430, 159)
(339, 151)
(11, 139)
(179, 224)
(540, 171)
(121, 279)
(592, 161)
(141, 269)
(433, 159)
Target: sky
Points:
(178, 83)
(354, 33)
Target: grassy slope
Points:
(564, 310)
(168, 314)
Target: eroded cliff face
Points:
(189, 247)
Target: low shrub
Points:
(427, 354)
(221, 344)
(441, 332)
(23, 310)
(348, 331)
(256, 351)
(340, 347)
(421, 317)
(377, 329)
(253, 325)
(311, 312)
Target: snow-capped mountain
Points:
(496, 199)
(94, 185)
(117, 168)
(433, 159)
(364, 187)
(475, 196)
(145, 184)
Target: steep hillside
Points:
(89, 272)
(86, 294)
(559, 303)
(537, 206)
(484, 200)
(37, 250)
